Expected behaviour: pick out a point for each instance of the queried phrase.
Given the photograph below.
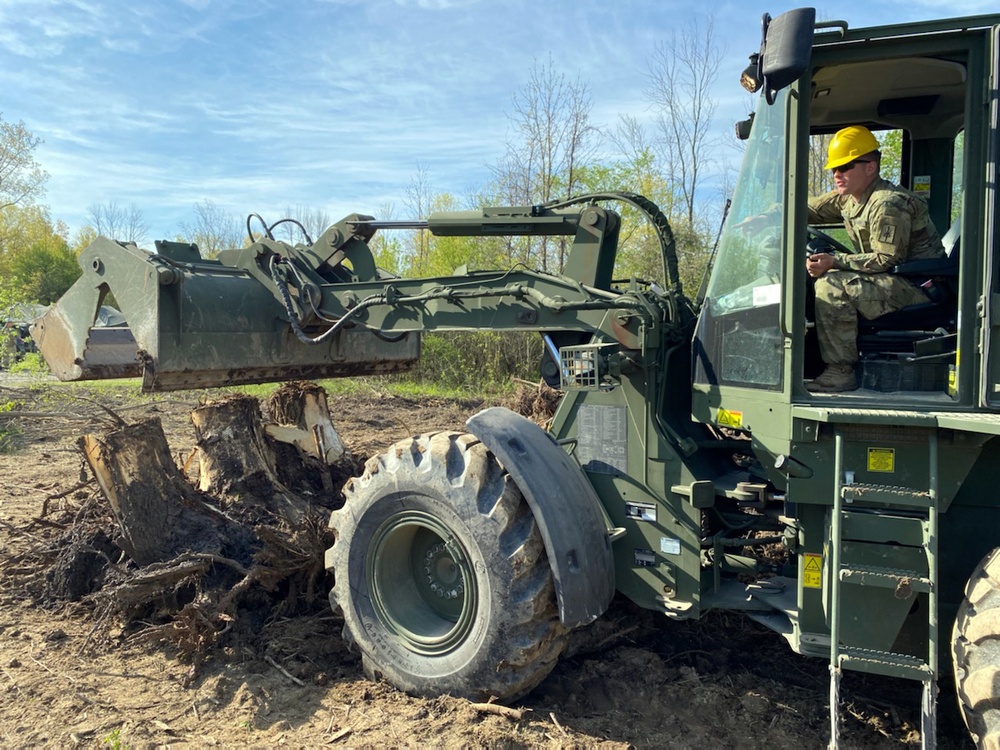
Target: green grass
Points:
(127, 388)
(9, 433)
(113, 741)
(372, 386)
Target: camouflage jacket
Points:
(888, 225)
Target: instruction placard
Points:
(602, 439)
(882, 460)
(726, 418)
(812, 571)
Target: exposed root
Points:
(536, 401)
(160, 561)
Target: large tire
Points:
(441, 574)
(975, 647)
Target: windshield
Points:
(738, 340)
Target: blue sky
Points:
(329, 104)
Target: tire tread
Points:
(975, 638)
(533, 637)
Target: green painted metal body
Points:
(930, 81)
(720, 475)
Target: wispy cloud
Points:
(262, 105)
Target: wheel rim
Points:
(422, 584)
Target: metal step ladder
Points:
(888, 663)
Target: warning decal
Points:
(812, 571)
(726, 418)
(882, 459)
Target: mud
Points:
(632, 679)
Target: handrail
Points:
(965, 23)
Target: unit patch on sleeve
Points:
(886, 232)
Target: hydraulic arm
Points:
(276, 311)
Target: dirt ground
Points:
(632, 679)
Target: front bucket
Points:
(194, 324)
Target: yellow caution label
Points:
(882, 459)
(726, 418)
(812, 571)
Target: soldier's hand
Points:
(818, 264)
(754, 224)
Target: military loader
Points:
(685, 450)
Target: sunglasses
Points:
(850, 165)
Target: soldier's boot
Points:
(835, 379)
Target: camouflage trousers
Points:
(842, 295)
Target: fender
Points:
(566, 508)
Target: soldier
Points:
(888, 225)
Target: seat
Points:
(912, 348)
(938, 278)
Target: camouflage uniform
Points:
(888, 225)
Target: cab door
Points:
(990, 345)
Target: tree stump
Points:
(198, 560)
(239, 462)
(159, 514)
(300, 419)
(301, 415)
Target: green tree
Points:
(82, 239)
(418, 203)
(820, 179)
(387, 246)
(891, 146)
(440, 256)
(638, 169)
(35, 258)
(682, 72)
(22, 179)
(44, 271)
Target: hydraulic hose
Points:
(301, 335)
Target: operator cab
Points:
(923, 98)
(916, 108)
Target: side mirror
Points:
(743, 127)
(786, 49)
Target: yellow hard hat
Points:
(849, 144)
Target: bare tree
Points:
(312, 221)
(510, 186)
(21, 178)
(552, 117)
(681, 74)
(214, 229)
(552, 138)
(119, 223)
(418, 201)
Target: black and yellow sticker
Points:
(726, 418)
(882, 460)
(812, 571)
(953, 375)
